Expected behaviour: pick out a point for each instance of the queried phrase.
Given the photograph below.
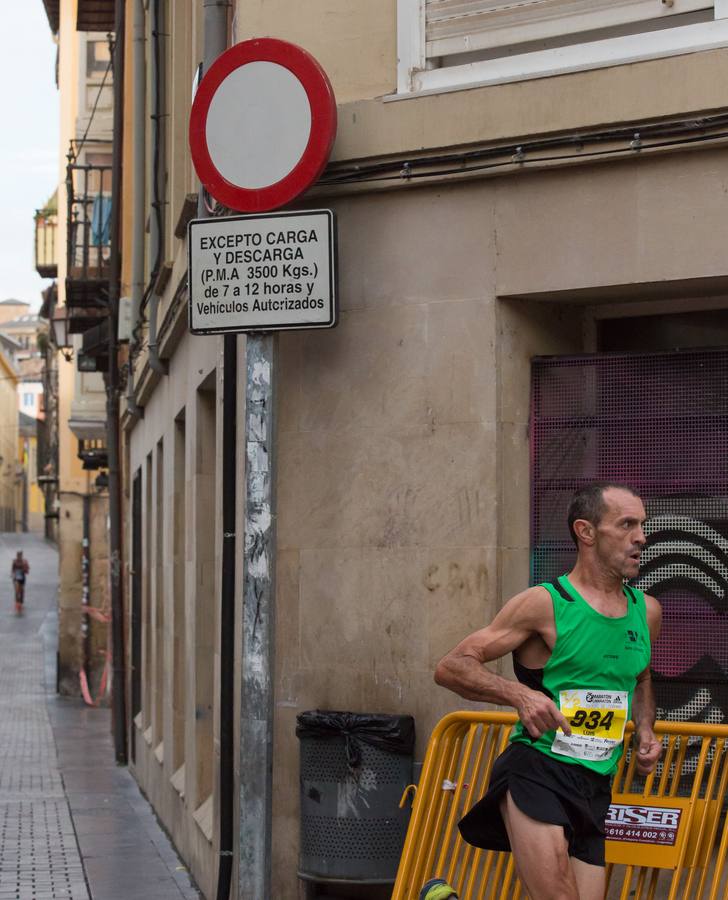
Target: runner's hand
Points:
(540, 714)
(648, 752)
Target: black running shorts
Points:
(546, 790)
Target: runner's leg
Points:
(541, 855)
(591, 880)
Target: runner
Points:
(19, 570)
(581, 651)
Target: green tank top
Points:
(591, 677)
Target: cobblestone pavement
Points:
(72, 824)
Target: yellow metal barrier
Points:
(663, 830)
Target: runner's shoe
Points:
(437, 889)
(18, 609)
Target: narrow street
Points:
(72, 823)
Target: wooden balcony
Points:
(88, 190)
(46, 224)
(95, 15)
(52, 8)
(94, 353)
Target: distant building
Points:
(30, 504)
(10, 346)
(11, 309)
(24, 329)
(9, 495)
(19, 340)
(30, 398)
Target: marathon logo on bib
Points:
(597, 719)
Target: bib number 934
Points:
(597, 719)
(592, 719)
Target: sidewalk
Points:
(72, 824)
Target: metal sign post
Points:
(256, 712)
(262, 127)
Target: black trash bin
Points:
(354, 768)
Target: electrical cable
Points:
(405, 171)
(156, 202)
(518, 155)
(98, 97)
(578, 138)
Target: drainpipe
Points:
(85, 585)
(138, 187)
(156, 231)
(215, 38)
(259, 565)
(25, 487)
(118, 697)
(155, 363)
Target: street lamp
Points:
(59, 330)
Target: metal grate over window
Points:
(658, 422)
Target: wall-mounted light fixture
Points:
(59, 330)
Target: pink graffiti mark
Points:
(691, 630)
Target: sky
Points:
(29, 150)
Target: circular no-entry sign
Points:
(262, 125)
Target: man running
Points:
(18, 572)
(581, 650)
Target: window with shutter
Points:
(445, 42)
(462, 26)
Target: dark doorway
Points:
(136, 607)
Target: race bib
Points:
(597, 718)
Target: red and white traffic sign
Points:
(262, 125)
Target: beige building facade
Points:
(493, 207)
(81, 249)
(9, 455)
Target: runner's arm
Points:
(643, 701)
(463, 669)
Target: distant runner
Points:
(18, 572)
(581, 650)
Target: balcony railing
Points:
(46, 261)
(94, 353)
(89, 234)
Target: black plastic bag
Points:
(395, 734)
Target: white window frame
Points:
(415, 78)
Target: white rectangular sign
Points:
(266, 272)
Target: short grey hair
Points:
(588, 503)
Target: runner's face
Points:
(620, 538)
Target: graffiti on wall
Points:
(685, 565)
